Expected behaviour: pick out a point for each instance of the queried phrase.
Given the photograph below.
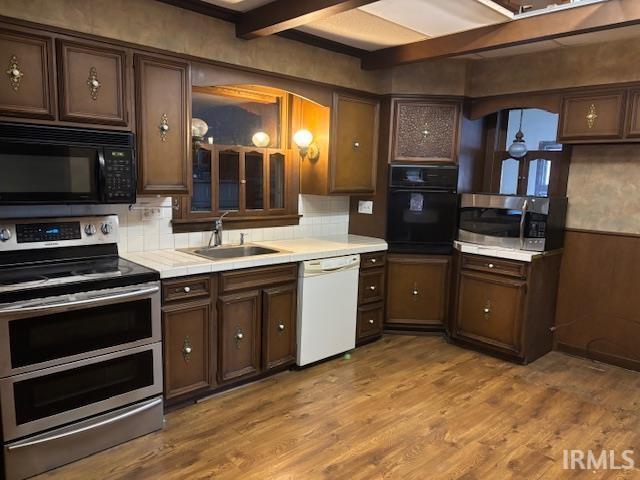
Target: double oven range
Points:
(80, 343)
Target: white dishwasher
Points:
(327, 307)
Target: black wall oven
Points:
(422, 208)
(49, 165)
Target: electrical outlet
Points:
(365, 206)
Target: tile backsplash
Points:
(144, 230)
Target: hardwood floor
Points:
(402, 408)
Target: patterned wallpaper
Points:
(604, 188)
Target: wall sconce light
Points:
(304, 141)
(261, 139)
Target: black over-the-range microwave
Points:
(53, 165)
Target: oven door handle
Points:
(97, 301)
(523, 218)
(107, 421)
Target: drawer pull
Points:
(281, 327)
(490, 265)
(371, 321)
(373, 260)
(164, 127)
(187, 289)
(187, 349)
(414, 292)
(239, 336)
(372, 288)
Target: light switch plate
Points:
(365, 206)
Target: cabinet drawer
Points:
(371, 287)
(494, 265)
(186, 289)
(370, 318)
(372, 260)
(251, 278)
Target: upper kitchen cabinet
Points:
(592, 117)
(163, 118)
(92, 81)
(354, 145)
(27, 87)
(425, 130)
(342, 157)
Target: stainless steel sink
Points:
(223, 253)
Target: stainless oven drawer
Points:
(51, 331)
(48, 398)
(37, 454)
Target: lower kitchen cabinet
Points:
(279, 325)
(187, 324)
(238, 335)
(370, 297)
(505, 307)
(417, 291)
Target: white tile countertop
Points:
(498, 252)
(174, 263)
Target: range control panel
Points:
(58, 232)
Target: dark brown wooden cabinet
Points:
(92, 83)
(417, 291)
(279, 326)
(186, 348)
(239, 335)
(425, 130)
(505, 307)
(163, 117)
(27, 86)
(371, 297)
(592, 116)
(354, 144)
(256, 321)
(187, 329)
(490, 310)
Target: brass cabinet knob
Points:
(239, 335)
(187, 289)
(371, 321)
(164, 126)
(414, 291)
(93, 83)
(487, 310)
(591, 116)
(281, 327)
(490, 265)
(373, 260)
(372, 288)
(14, 73)
(187, 349)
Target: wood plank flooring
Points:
(402, 408)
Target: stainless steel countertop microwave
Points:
(520, 222)
(53, 165)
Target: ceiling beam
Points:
(547, 26)
(281, 15)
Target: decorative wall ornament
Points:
(591, 116)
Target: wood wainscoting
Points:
(598, 310)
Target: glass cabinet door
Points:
(254, 180)
(201, 172)
(228, 180)
(277, 183)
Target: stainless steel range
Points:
(80, 343)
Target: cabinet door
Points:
(163, 124)
(26, 89)
(238, 335)
(93, 84)
(186, 347)
(371, 286)
(417, 289)
(425, 131)
(279, 326)
(633, 114)
(597, 116)
(490, 310)
(354, 145)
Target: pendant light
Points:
(518, 148)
